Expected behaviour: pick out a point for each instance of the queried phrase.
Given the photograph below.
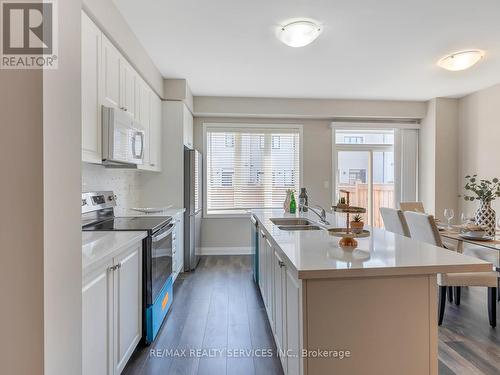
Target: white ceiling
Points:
(369, 49)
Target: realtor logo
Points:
(29, 39)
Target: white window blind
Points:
(250, 168)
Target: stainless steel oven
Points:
(158, 265)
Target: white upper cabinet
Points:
(109, 80)
(128, 78)
(150, 120)
(91, 100)
(155, 133)
(111, 74)
(188, 128)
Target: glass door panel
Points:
(383, 184)
(353, 176)
(369, 177)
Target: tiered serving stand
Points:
(348, 237)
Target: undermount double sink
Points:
(292, 223)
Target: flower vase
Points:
(485, 217)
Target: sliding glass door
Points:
(364, 165)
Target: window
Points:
(357, 175)
(371, 137)
(353, 139)
(229, 140)
(276, 141)
(250, 167)
(261, 141)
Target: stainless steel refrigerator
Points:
(193, 174)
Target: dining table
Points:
(454, 233)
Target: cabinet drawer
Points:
(155, 313)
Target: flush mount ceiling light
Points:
(461, 60)
(299, 33)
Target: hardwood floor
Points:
(219, 307)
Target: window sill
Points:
(231, 214)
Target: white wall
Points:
(62, 204)
(446, 157)
(478, 141)
(305, 108)
(40, 233)
(21, 225)
(438, 157)
(109, 19)
(427, 158)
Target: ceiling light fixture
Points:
(299, 33)
(461, 60)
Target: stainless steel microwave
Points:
(122, 139)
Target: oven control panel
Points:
(97, 200)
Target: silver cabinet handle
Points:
(115, 267)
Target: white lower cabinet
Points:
(127, 282)
(111, 313)
(292, 324)
(262, 266)
(281, 291)
(97, 309)
(270, 283)
(279, 278)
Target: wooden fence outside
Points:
(383, 196)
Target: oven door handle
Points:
(164, 234)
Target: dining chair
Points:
(394, 221)
(423, 228)
(412, 206)
(488, 255)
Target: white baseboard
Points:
(245, 250)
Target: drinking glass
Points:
(449, 214)
(465, 218)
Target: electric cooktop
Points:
(150, 224)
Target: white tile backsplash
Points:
(124, 182)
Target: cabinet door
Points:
(279, 303)
(145, 120)
(111, 74)
(270, 283)
(262, 266)
(188, 127)
(91, 101)
(97, 330)
(292, 324)
(127, 87)
(127, 304)
(155, 133)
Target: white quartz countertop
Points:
(317, 254)
(168, 211)
(99, 247)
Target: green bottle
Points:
(293, 204)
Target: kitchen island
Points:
(368, 311)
